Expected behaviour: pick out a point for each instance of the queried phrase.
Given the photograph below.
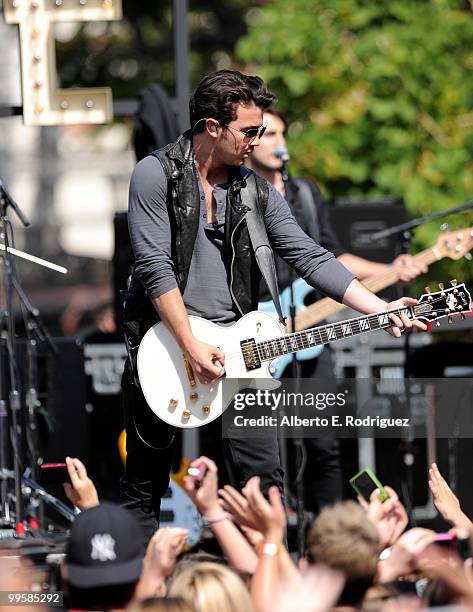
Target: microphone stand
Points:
(13, 401)
(298, 442)
(35, 330)
(403, 227)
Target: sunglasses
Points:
(251, 132)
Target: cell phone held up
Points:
(365, 482)
(53, 473)
(198, 473)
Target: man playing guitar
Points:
(193, 255)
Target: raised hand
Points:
(237, 505)
(405, 554)
(389, 517)
(205, 497)
(445, 500)
(163, 549)
(160, 559)
(270, 516)
(81, 492)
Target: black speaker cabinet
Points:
(356, 220)
(61, 398)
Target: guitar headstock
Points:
(444, 303)
(455, 244)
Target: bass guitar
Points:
(455, 244)
(250, 345)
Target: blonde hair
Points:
(343, 538)
(156, 604)
(211, 587)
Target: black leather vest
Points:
(183, 208)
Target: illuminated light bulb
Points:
(35, 33)
(64, 104)
(58, 2)
(82, 2)
(15, 4)
(107, 4)
(89, 104)
(38, 109)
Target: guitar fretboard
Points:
(297, 341)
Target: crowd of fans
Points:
(358, 556)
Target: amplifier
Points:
(355, 220)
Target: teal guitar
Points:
(301, 291)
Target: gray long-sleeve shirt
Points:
(207, 293)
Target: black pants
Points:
(322, 478)
(150, 452)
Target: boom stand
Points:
(11, 399)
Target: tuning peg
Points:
(468, 256)
(449, 320)
(441, 286)
(453, 282)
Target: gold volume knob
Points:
(186, 413)
(194, 396)
(206, 408)
(173, 402)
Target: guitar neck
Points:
(325, 307)
(297, 341)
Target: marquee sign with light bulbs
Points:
(43, 103)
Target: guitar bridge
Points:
(250, 354)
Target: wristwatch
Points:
(268, 548)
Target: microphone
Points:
(282, 153)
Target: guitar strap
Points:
(259, 240)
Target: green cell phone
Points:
(365, 482)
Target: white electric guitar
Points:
(174, 393)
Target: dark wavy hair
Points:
(218, 95)
(279, 115)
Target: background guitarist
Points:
(193, 256)
(323, 483)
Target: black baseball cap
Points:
(105, 547)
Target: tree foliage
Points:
(379, 97)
